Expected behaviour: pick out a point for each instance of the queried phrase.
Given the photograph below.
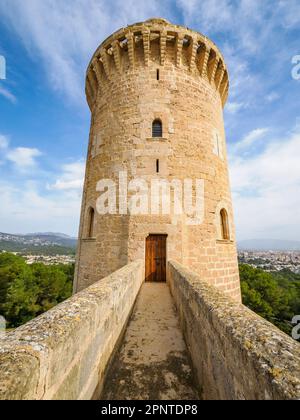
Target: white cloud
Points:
(25, 209)
(26, 202)
(266, 190)
(250, 22)
(249, 140)
(213, 13)
(4, 142)
(71, 178)
(234, 107)
(272, 97)
(247, 32)
(8, 95)
(290, 12)
(239, 18)
(29, 204)
(23, 157)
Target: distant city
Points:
(49, 259)
(56, 248)
(37, 240)
(272, 260)
(47, 248)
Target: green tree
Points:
(27, 291)
(54, 285)
(274, 296)
(21, 305)
(10, 266)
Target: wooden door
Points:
(156, 258)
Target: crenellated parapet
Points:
(156, 42)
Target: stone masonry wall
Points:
(157, 70)
(236, 354)
(64, 353)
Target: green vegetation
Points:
(274, 296)
(27, 291)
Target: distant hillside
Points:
(38, 243)
(269, 245)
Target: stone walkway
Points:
(152, 363)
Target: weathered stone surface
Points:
(19, 374)
(64, 353)
(125, 98)
(236, 354)
(153, 362)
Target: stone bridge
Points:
(125, 339)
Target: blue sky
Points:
(44, 119)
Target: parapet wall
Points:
(64, 353)
(236, 354)
(160, 42)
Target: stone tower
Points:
(156, 93)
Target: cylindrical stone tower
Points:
(156, 92)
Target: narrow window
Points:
(91, 221)
(157, 130)
(157, 166)
(224, 224)
(157, 74)
(217, 143)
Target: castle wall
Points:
(125, 98)
(64, 354)
(236, 354)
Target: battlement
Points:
(156, 42)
